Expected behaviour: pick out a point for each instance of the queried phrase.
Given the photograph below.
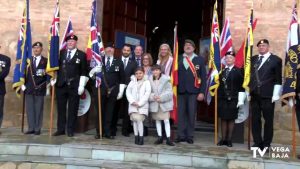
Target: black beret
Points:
(190, 42)
(230, 53)
(37, 44)
(262, 41)
(73, 37)
(109, 44)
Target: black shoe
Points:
(169, 142)
(70, 134)
(29, 132)
(136, 140)
(159, 140)
(298, 156)
(221, 142)
(190, 141)
(178, 140)
(141, 140)
(97, 136)
(109, 136)
(37, 132)
(229, 143)
(58, 133)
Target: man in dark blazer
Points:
(112, 87)
(71, 80)
(35, 89)
(265, 90)
(122, 104)
(191, 87)
(138, 52)
(4, 70)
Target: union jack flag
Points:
(95, 49)
(225, 40)
(68, 32)
(53, 53)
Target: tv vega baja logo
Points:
(272, 152)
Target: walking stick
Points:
(249, 125)
(216, 117)
(100, 112)
(294, 129)
(51, 110)
(23, 113)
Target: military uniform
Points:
(72, 71)
(4, 70)
(35, 90)
(266, 77)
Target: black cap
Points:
(262, 41)
(230, 53)
(39, 44)
(190, 42)
(110, 45)
(72, 37)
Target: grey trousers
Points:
(34, 109)
(187, 107)
(1, 108)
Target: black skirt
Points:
(227, 109)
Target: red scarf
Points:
(197, 81)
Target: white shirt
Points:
(229, 67)
(37, 60)
(110, 59)
(73, 51)
(265, 58)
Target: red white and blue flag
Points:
(225, 40)
(68, 32)
(95, 48)
(53, 53)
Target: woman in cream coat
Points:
(138, 92)
(161, 102)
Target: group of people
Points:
(138, 90)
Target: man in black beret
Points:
(35, 89)
(265, 90)
(4, 70)
(71, 80)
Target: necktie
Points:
(107, 65)
(226, 72)
(34, 62)
(69, 56)
(138, 60)
(258, 63)
(125, 62)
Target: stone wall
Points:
(273, 22)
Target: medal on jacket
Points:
(117, 68)
(2, 65)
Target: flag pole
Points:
(100, 112)
(51, 110)
(294, 129)
(23, 112)
(249, 125)
(216, 116)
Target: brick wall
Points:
(273, 21)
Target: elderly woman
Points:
(165, 59)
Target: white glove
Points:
(241, 99)
(121, 91)
(248, 96)
(23, 88)
(291, 102)
(53, 81)
(82, 82)
(276, 93)
(48, 89)
(95, 70)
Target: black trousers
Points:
(298, 111)
(262, 107)
(121, 110)
(67, 95)
(1, 108)
(108, 105)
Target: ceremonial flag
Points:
(292, 58)
(225, 40)
(95, 48)
(68, 32)
(248, 52)
(174, 76)
(23, 50)
(215, 59)
(53, 48)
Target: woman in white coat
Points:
(161, 102)
(138, 92)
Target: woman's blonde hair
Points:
(159, 53)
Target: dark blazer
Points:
(114, 77)
(186, 78)
(269, 74)
(36, 81)
(4, 70)
(129, 70)
(234, 83)
(69, 72)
